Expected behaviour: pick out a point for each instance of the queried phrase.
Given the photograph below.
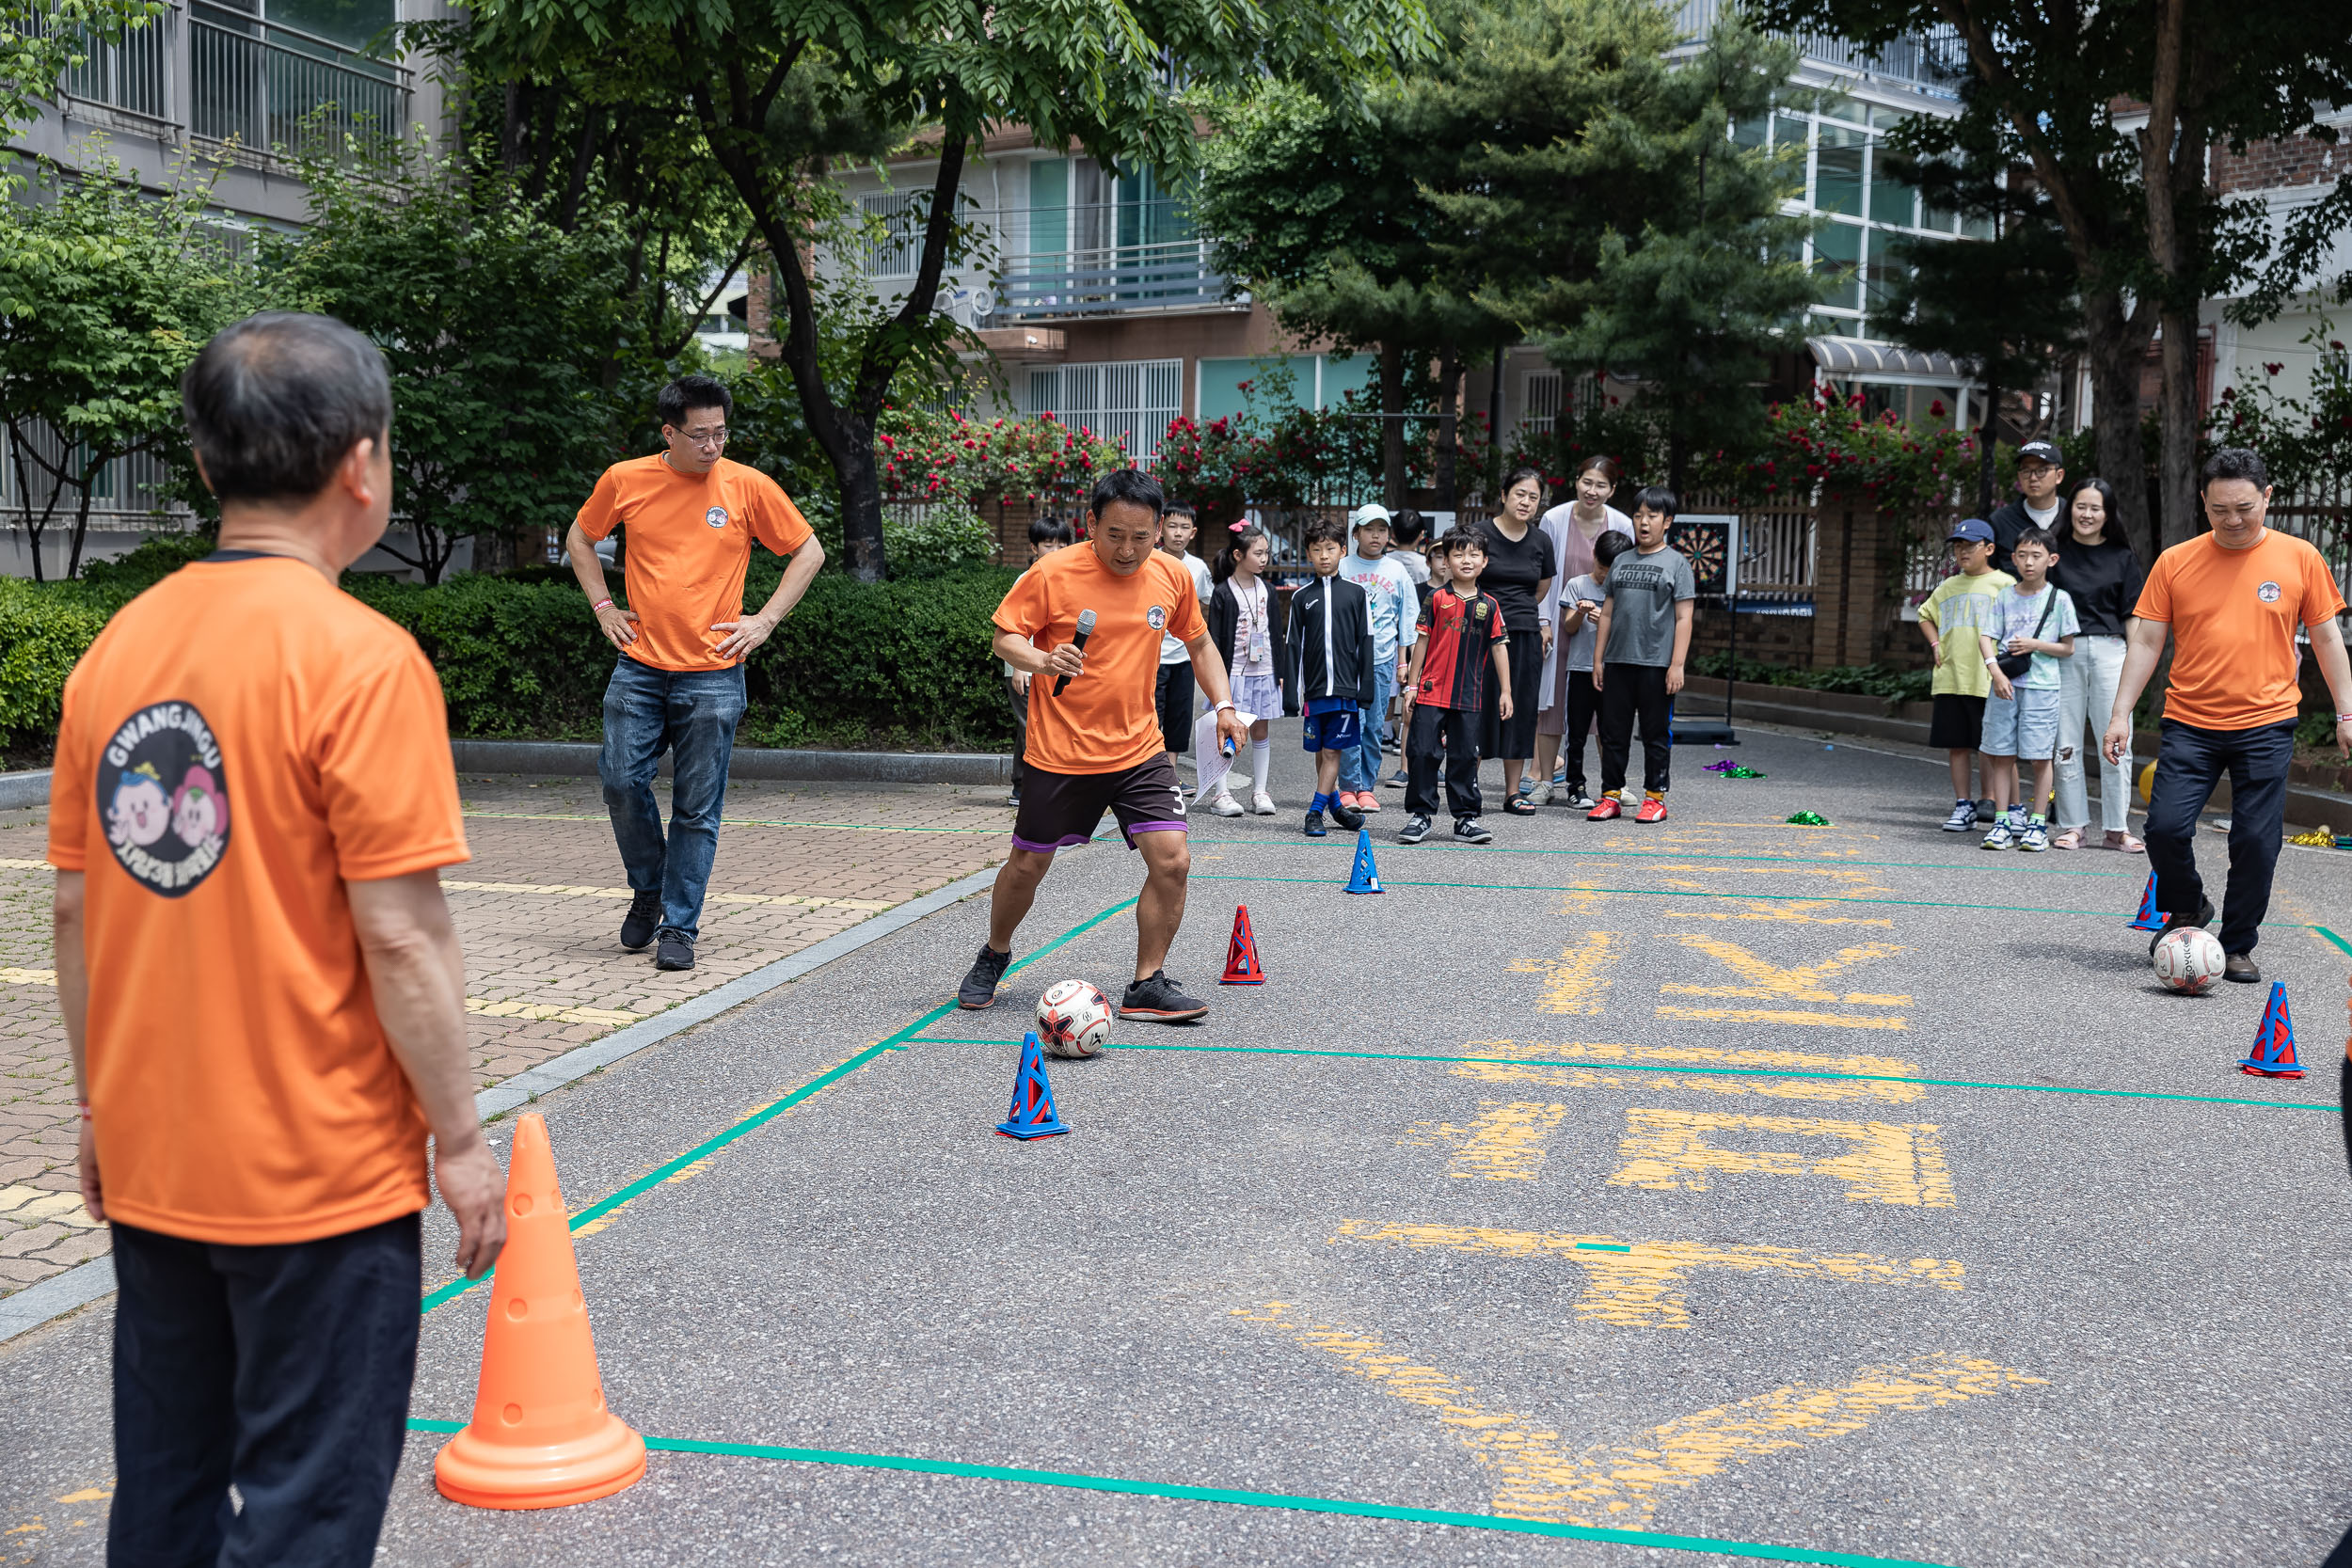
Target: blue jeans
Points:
(1360, 769)
(2189, 761)
(283, 1370)
(693, 715)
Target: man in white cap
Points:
(1395, 606)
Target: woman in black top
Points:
(1519, 568)
(2102, 577)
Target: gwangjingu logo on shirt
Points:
(2268, 593)
(165, 798)
(1155, 617)
(716, 516)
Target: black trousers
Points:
(283, 1370)
(1580, 706)
(1174, 700)
(1628, 691)
(1018, 696)
(1454, 732)
(2189, 761)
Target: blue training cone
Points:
(2150, 918)
(1363, 877)
(1032, 1114)
(2274, 1042)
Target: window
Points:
(1541, 402)
(1837, 257)
(893, 252)
(1892, 203)
(1129, 401)
(1838, 171)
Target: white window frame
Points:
(1130, 398)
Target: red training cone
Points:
(2274, 1042)
(1241, 956)
(2149, 918)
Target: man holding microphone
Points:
(1087, 623)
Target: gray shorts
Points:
(2025, 726)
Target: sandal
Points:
(2071, 839)
(1519, 805)
(2126, 843)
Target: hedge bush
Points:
(897, 664)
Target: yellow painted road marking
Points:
(1632, 1284)
(1891, 1163)
(1783, 1015)
(1716, 1055)
(89, 1495)
(1617, 1484)
(1797, 912)
(1768, 981)
(28, 976)
(1504, 1143)
(565, 890)
(1781, 1088)
(1577, 976)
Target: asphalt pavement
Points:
(1718, 1191)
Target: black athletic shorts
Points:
(1957, 722)
(1059, 810)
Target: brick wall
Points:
(2288, 162)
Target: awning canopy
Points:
(1853, 357)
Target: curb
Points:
(577, 759)
(85, 1283)
(24, 789)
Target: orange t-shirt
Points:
(240, 738)
(2233, 615)
(1107, 719)
(690, 541)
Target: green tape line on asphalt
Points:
(1701, 1068)
(2332, 937)
(1657, 1541)
(761, 1118)
(1340, 842)
(1754, 895)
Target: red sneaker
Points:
(1367, 802)
(1605, 809)
(1653, 810)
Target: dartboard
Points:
(1706, 547)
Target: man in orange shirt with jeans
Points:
(2233, 600)
(260, 983)
(678, 685)
(1095, 742)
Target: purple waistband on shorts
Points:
(1154, 828)
(1035, 849)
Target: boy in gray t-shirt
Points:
(1644, 635)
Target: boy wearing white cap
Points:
(1395, 604)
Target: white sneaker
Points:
(1225, 805)
(1540, 795)
(1261, 803)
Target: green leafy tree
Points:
(2002, 306)
(106, 296)
(1094, 75)
(494, 323)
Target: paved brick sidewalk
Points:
(538, 909)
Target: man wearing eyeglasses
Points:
(678, 685)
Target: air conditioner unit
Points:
(970, 308)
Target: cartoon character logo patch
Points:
(2268, 593)
(1155, 617)
(165, 798)
(716, 516)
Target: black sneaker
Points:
(1345, 817)
(1416, 829)
(642, 920)
(2174, 922)
(980, 982)
(1471, 831)
(1156, 997)
(675, 950)
(1314, 826)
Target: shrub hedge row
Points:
(897, 664)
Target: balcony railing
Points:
(1167, 276)
(132, 73)
(264, 85)
(1933, 62)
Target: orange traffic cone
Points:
(541, 1437)
(1241, 956)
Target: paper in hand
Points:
(1212, 761)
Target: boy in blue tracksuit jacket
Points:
(1332, 665)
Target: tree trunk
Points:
(2116, 344)
(1989, 435)
(2173, 173)
(81, 528)
(1449, 425)
(1494, 434)
(1391, 425)
(2177, 417)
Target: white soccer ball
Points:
(1074, 1020)
(2188, 960)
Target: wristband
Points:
(1222, 706)
(84, 1105)
(2343, 718)
(598, 606)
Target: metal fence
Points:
(132, 74)
(1934, 61)
(128, 494)
(263, 85)
(1167, 276)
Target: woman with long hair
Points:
(1246, 624)
(2096, 567)
(1574, 527)
(1520, 571)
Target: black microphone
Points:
(1085, 629)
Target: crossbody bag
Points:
(2014, 665)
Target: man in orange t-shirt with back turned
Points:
(692, 516)
(2233, 600)
(1094, 741)
(260, 983)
